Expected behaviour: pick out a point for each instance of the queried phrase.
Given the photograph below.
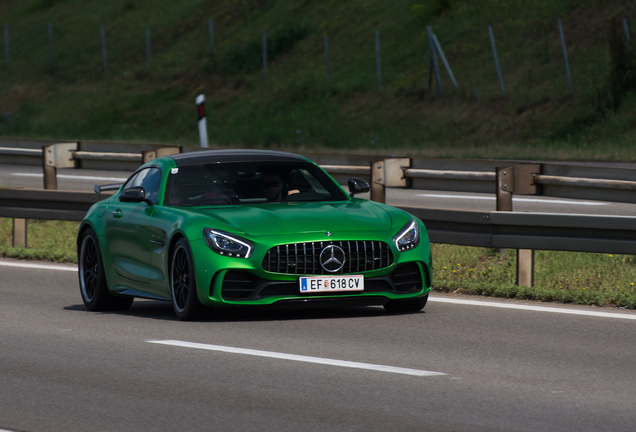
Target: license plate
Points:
(331, 283)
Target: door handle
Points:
(117, 214)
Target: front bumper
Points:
(225, 281)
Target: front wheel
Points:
(410, 305)
(183, 286)
(92, 279)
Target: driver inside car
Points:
(272, 186)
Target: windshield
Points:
(249, 183)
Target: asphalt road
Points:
(71, 179)
(65, 369)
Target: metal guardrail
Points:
(449, 175)
(23, 204)
(17, 151)
(46, 204)
(564, 180)
(521, 231)
(498, 229)
(541, 231)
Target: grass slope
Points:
(74, 98)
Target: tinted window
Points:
(249, 183)
(149, 179)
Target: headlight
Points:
(227, 244)
(408, 237)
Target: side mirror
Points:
(357, 185)
(135, 194)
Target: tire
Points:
(183, 286)
(411, 305)
(92, 278)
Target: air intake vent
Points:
(407, 278)
(238, 284)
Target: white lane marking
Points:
(71, 177)
(37, 266)
(533, 308)
(300, 358)
(588, 203)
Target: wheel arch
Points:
(173, 241)
(85, 225)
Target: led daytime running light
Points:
(227, 244)
(402, 240)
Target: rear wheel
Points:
(92, 279)
(183, 287)
(411, 305)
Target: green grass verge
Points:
(567, 277)
(46, 240)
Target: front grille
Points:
(303, 258)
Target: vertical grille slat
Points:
(313, 258)
(372, 256)
(296, 258)
(322, 271)
(365, 256)
(304, 258)
(286, 268)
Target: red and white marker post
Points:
(203, 126)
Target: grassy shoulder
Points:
(566, 277)
(46, 240)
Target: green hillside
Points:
(299, 108)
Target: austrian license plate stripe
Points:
(315, 284)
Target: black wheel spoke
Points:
(89, 265)
(180, 278)
(92, 278)
(90, 254)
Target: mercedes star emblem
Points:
(332, 258)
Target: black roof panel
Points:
(213, 156)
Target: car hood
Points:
(284, 218)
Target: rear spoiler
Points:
(114, 186)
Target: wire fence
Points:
(272, 46)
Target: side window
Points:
(149, 179)
(318, 187)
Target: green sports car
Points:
(233, 228)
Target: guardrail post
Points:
(518, 179)
(394, 172)
(388, 173)
(19, 232)
(504, 197)
(377, 182)
(56, 156)
(525, 267)
(147, 156)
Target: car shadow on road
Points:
(159, 310)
